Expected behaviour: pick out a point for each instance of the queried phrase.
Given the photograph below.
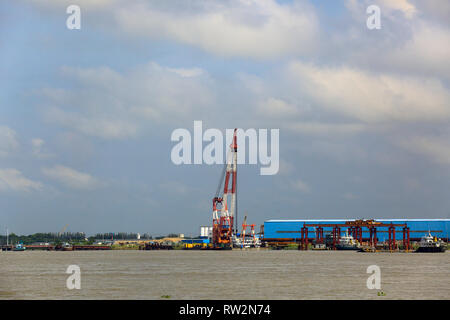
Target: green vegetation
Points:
(44, 238)
(121, 236)
(287, 246)
(178, 246)
(125, 247)
(77, 238)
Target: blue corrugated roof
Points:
(352, 219)
(291, 228)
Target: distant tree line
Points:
(78, 237)
(43, 237)
(120, 236)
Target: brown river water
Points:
(247, 274)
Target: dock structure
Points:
(355, 229)
(282, 233)
(156, 246)
(51, 247)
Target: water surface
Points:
(236, 274)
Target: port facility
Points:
(290, 230)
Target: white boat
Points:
(428, 243)
(247, 242)
(348, 243)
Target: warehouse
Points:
(290, 229)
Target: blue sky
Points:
(86, 115)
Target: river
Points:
(248, 274)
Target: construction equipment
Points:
(244, 230)
(244, 227)
(62, 230)
(249, 241)
(223, 210)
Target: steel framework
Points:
(223, 218)
(355, 228)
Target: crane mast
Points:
(224, 211)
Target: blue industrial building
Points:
(201, 240)
(290, 229)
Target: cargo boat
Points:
(428, 243)
(348, 243)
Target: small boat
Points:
(64, 247)
(367, 249)
(248, 241)
(67, 247)
(348, 243)
(428, 243)
(19, 247)
(319, 246)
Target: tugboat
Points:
(348, 243)
(19, 247)
(428, 243)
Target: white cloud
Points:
(273, 107)
(412, 184)
(8, 141)
(427, 52)
(388, 7)
(245, 28)
(371, 97)
(114, 105)
(301, 186)
(13, 179)
(174, 187)
(414, 38)
(286, 168)
(37, 145)
(408, 9)
(84, 3)
(71, 178)
(259, 29)
(435, 148)
(186, 72)
(434, 9)
(93, 126)
(321, 128)
(350, 196)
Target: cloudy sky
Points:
(86, 115)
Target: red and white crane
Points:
(224, 207)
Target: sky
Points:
(86, 115)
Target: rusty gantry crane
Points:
(223, 210)
(355, 229)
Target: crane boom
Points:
(62, 230)
(223, 218)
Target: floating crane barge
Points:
(377, 232)
(223, 217)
